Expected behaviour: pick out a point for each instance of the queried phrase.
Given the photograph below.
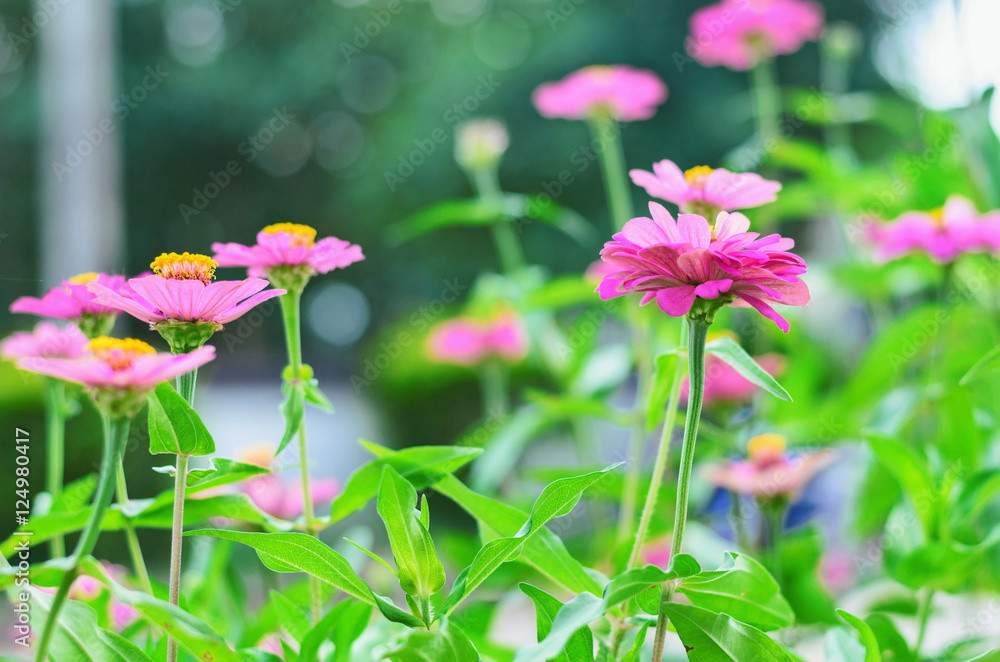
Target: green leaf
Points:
(978, 491)
(579, 645)
(75, 496)
(890, 642)
(300, 553)
(635, 652)
(729, 351)
(556, 500)
(446, 214)
(742, 588)
(840, 646)
(984, 366)
(663, 380)
(219, 472)
(293, 618)
(343, 625)
(174, 426)
(445, 644)
(541, 208)
(293, 410)
(421, 465)
(421, 573)
(375, 557)
(711, 637)
(912, 473)
(939, 565)
(505, 448)
(314, 396)
(868, 640)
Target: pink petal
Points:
(676, 301)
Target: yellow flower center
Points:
(696, 176)
(937, 215)
(185, 266)
(724, 333)
(600, 72)
(767, 445)
(299, 235)
(88, 277)
(119, 353)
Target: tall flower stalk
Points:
(56, 408)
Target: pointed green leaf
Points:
(984, 366)
(343, 625)
(911, 471)
(580, 644)
(174, 426)
(445, 644)
(742, 588)
(293, 410)
(314, 396)
(729, 351)
(868, 640)
(711, 637)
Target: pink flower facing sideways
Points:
(739, 34)
(944, 234)
(74, 302)
(624, 93)
(769, 472)
(280, 499)
(288, 253)
(467, 342)
(703, 190)
(675, 263)
(46, 341)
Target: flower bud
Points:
(480, 144)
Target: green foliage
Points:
(174, 426)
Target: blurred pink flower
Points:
(46, 341)
(656, 553)
(944, 233)
(838, 570)
(123, 615)
(121, 365)
(182, 290)
(704, 190)
(627, 94)
(274, 496)
(768, 471)
(71, 300)
(674, 263)
(598, 269)
(739, 34)
(288, 245)
(467, 342)
(724, 384)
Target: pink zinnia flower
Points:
(123, 615)
(768, 471)
(47, 341)
(656, 553)
(706, 191)
(724, 384)
(674, 263)
(943, 233)
(467, 342)
(625, 93)
(120, 365)
(739, 34)
(288, 245)
(181, 290)
(274, 496)
(74, 302)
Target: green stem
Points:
(116, 434)
(697, 336)
(134, 550)
(925, 614)
(767, 101)
(834, 81)
(55, 442)
(662, 454)
(185, 386)
(494, 384)
(291, 314)
(739, 522)
(776, 525)
(487, 185)
(607, 136)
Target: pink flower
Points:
(71, 300)
(674, 263)
(944, 233)
(657, 553)
(123, 615)
(467, 342)
(627, 94)
(274, 496)
(47, 341)
(182, 290)
(597, 270)
(288, 245)
(724, 384)
(120, 365)
(768, 471)
(739, 34)
(704, 190)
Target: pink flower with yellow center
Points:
(944, 234)
(181, 290)
(73, 301)
(288, 247)
(468, 342)
(676, 262)
(739, 34)
(769, 472)
(706, 191)
(46, 341)
(624, 93)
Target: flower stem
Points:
(508, 246)
(185, 386)
(494, 385)
(291, 314)
(925, 614)
(662, 455)
(697, 336)
(134, 550)
(776, 525)
(55, 441)
(768, 102)
(607, 135)
(115, 436)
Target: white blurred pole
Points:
(80, 177)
